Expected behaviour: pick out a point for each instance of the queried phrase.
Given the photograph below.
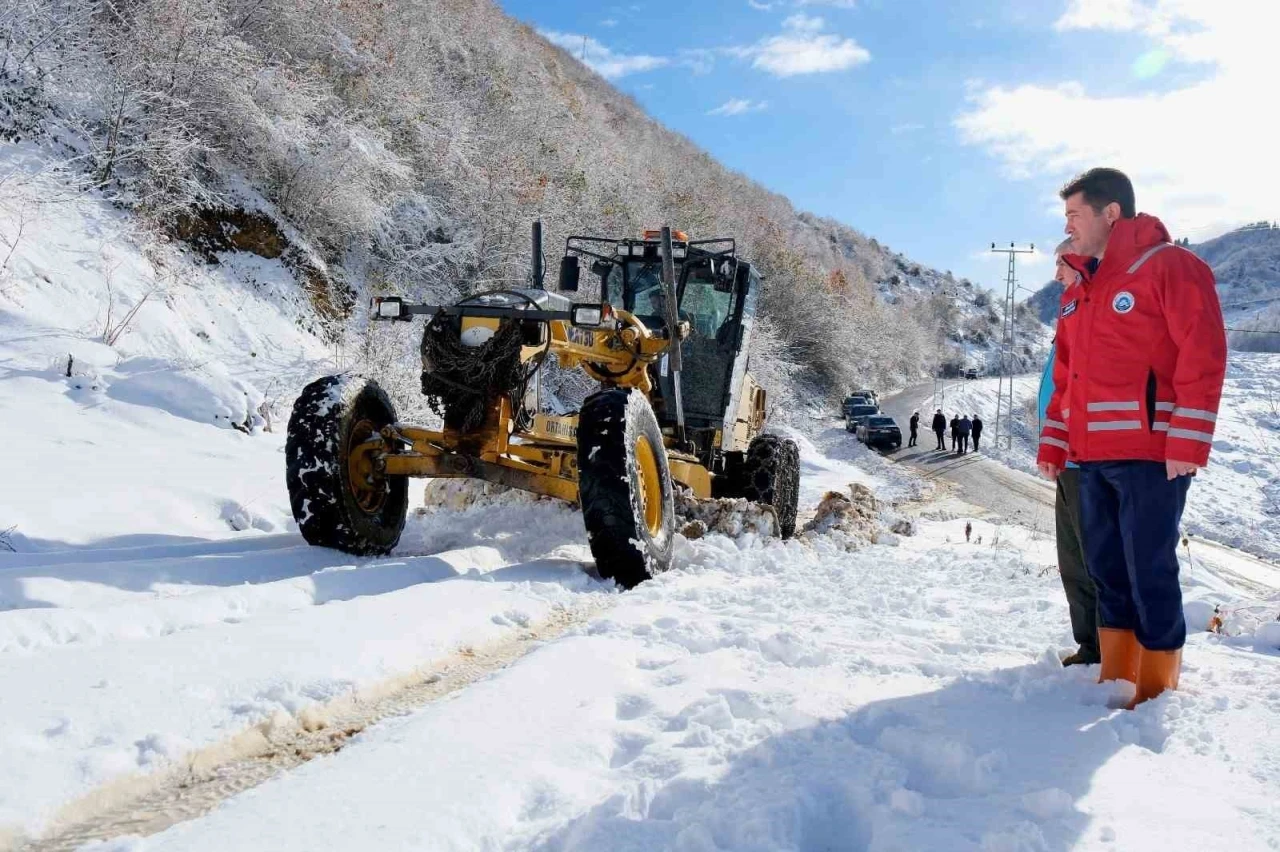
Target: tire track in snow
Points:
(146, 805)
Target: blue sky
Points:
(938, 127)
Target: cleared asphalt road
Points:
(1016, 496)
(1011, 494)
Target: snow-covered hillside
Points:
(122, 362)
(1236, 500)
(1246, 263)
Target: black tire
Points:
(332, 415)
(771, 475)
(614, 429)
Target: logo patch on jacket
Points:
(1069, 308)
(1123, 302)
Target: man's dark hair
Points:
(1101, 187)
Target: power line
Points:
(1252, 330)
(1007, 351)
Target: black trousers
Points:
(977, 436)
(1082, 595)
(912, 441)
(942, 444)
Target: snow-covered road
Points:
(762, 695)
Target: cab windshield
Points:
(701, 304)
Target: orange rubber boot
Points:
(1119, 649)
(1157, 671)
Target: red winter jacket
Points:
(1141, 354)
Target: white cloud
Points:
(738, 106)
(907, 127)
(698, 60)
(803, 48)
(773, 4)
(1201, 156)
(1104, 15)
(609, 22)
(601, 59)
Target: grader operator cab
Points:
(667, 342)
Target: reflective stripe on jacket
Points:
(1140, 357)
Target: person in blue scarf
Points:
(1082, 595)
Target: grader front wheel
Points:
(624, 485)
(339, 500)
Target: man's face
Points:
(1089, 229)
(1064, 274)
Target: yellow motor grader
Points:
(667, 342)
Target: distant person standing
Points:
(977, 431)
(1138, 369)
(940, 429)
(915, 428)
(965, 426)
(955, 432)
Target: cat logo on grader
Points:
(697, 421)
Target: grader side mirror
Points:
(569, 273)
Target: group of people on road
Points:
(1128, 405)
(962, 429)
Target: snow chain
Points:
(459, 381)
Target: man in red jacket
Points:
(1141, 356)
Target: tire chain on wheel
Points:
(771, 475)
(607, 425)
(316, 471)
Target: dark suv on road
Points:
(855, 414)
(852, 401)
(880, 430)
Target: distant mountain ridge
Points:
(1245, 262)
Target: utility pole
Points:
(1004, 396)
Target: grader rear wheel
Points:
(771, 475)
(624, 485)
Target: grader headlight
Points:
(592, 316)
